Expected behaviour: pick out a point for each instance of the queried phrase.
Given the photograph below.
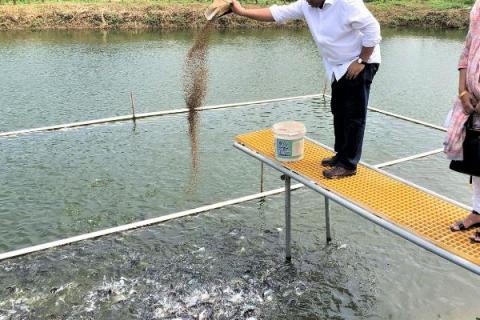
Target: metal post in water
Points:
(324, 90)
(133, 106)
(288, 254)
(327, 219)
(261, 176)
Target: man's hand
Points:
(237, 8)
(354, 69)
(259, 14)
(476, 107)
(468, 103)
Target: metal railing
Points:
(289, 174)
(133, 116)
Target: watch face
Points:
(359, 60)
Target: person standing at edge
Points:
(467, 102)
(348, 36)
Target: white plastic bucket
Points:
(289, 140)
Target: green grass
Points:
(434, 4)
(133, 2)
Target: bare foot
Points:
(470, 221)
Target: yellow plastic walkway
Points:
(410, 208)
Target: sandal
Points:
(476, 237)
(459, 226)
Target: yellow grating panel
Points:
(420, 213)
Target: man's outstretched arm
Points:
(261, 14)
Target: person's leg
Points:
(476, 205)
(473, 219)
(337, 108)
(476, 194)
(355, 116)
(350, 123)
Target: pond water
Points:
(227, 263)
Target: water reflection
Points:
(83, 75)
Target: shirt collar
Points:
(328, 3)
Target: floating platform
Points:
(410, 211)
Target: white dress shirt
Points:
(340, 29)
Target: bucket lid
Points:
(289, 128)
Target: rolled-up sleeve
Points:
(463, 63)
(360, 18)
(287, 12)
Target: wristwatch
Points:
(360, 61)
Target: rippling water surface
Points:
(226, 263)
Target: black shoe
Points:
(329, 162)
(338, 172)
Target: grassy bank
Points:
(183, 14)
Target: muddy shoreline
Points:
(182, 17)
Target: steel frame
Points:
(289, 174)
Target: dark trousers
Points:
(349, 108)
